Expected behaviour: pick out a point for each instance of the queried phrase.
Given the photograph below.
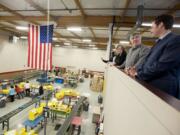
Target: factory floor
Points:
(88, 128)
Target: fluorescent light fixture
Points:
(124, 42)
(22, 28)
(92, 45)
(150, 24)
(147, 24)
(55, 39)
(66, 43)
(87, 40)
(24, 37)
(76, 29)
(176, 25)
(57, 45)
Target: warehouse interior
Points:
(82, 95)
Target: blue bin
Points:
(59, 80)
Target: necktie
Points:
(158, 40)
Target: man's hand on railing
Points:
(132, 72)
(126, 70)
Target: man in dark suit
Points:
(161, 67)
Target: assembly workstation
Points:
(61, 104)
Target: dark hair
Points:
(12, 86)
(167, 20)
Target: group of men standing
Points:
(159, 66)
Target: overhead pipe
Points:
(139, 20)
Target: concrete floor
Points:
(88, 128)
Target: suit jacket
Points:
(161, 67)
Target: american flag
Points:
(40, 47)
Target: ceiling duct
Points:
(139, 20)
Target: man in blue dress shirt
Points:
(161, 67)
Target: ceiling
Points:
(93, 16)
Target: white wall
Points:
(79, 58)
(12, 56)
(131, 109)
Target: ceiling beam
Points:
(122, 15)
(78, 3)
(16, 14)
(93, 33)
(10, 11)
(174, 9)
(12, 22)
(126, 7)
(42, 10)
(89, 21)
(64, 18)
(99, 21)
(75, 35)
(11, 29)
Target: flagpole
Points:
(48, 15)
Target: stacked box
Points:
(96, 83)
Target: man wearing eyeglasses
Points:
(136, 53)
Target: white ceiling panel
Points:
(5, 14)
(154, 4)
(22, 23)
(84, 33)
(103, 3)
(77, 40)
(146, 12)
(65, 13)
(30, 13)
(101, 33)
(120, 37)
(121, 34)
(56, 4)
(8, 24)
(103, 12)
(50, 23)
(69, 3)
(124, 28)
(17, 4)
(64, 32)
(99, 28)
